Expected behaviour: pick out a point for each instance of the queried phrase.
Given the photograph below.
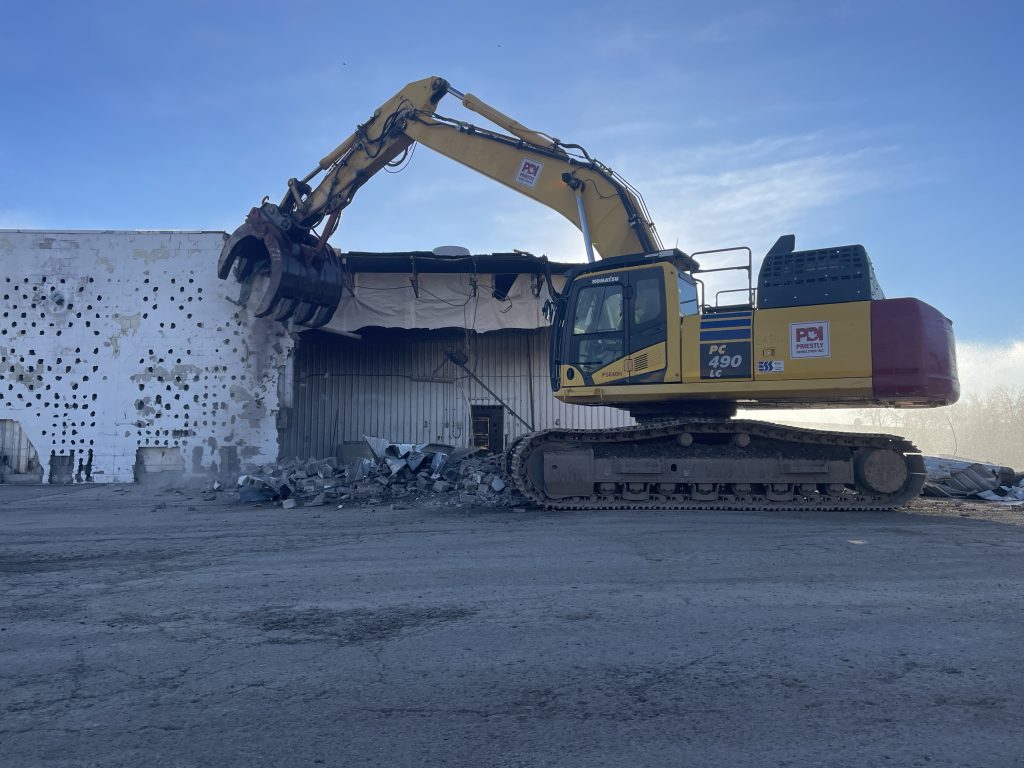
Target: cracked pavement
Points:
(193, 632)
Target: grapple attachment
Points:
(284, 275)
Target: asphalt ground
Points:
(142, 628)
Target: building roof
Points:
(517, 262)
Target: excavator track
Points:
(707, 464)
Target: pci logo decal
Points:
(529, 172)
(808, 339)
(771, 366)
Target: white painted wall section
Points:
(115, 341)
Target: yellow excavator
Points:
(637, 330)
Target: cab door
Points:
(646, 326)
(596, 330)
(616, 331)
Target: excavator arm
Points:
(300, 275)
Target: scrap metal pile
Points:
(384, 472)
(959, 479)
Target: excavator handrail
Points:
(748, 268)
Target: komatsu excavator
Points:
(635, 330)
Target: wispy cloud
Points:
(728, 193)
(753, 204)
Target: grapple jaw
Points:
(284, 273)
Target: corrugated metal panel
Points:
(401, 387)
(15, 447)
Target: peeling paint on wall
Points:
(115, 341)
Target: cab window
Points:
(687, 297)
(598, 310)
(648, 299)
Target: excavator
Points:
(637, 329)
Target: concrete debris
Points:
(358, 469)
(956, 478)
(250, 494)
(378, 445)
(427, 473)
(266, 483)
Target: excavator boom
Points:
(301, 277)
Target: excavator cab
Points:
(618, 320)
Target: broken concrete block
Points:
(442, 486)
(316, 501)
(288, 504)
(377, 444)
(497, 484)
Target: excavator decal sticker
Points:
(725, 361)
(808, 339)
(529, 172)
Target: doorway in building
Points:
(489, 427)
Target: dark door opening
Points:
(489, 427)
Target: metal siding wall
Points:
(15, 446)
(372, 386)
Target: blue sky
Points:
(892, 124)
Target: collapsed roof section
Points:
(427, 290)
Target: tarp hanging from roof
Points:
(389, 300)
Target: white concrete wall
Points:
(112, 341)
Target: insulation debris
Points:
(439, 473)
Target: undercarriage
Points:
(706, 463)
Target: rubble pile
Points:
(387, 472)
